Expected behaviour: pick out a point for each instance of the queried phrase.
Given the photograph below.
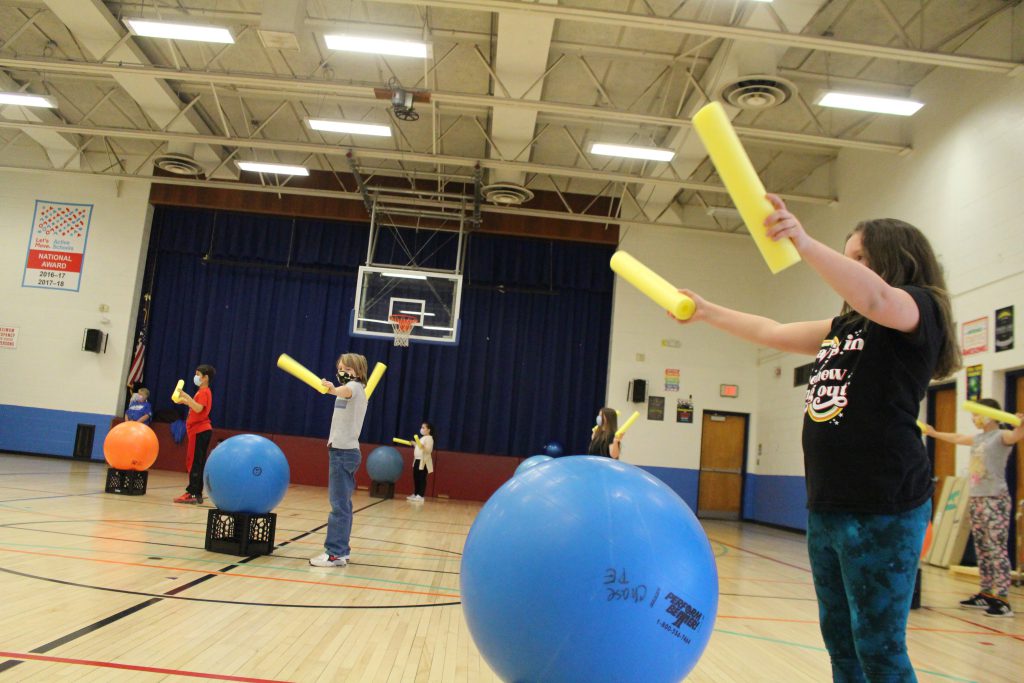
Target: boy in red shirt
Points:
(199, 429)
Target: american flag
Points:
(138, 360)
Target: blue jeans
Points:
(864, 568)
(341, 484)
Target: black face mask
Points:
(344, 378)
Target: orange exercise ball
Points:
(131, 446)
(927, 541)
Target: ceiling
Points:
(519, 88)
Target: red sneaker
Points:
(187, 499)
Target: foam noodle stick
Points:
(404, 442)
(627, 424)
(378, 372)
(176, 394)
(740, 179)
(655, 287)
(416, 438)
(991, 413)
(921, 426)
(296, 370)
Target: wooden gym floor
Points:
(103, 587)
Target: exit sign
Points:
(729, 390)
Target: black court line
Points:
(106, 621)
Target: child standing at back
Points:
(343, 457)
(199, 430)
(868, 476)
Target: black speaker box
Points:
(95, 341)
(637, 392)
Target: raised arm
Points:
(861, 287)
(949, 437)
(1012, 436)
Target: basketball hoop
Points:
(402, 325)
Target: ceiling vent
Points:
(757, 93)
(179, 164)
(507, 194)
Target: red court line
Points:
(25, 656)
(766, 557)
(909, 628)
(989, 630)
(214, 572)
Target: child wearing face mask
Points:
(199, 430)
(343, 456)
(603, 441)
(139, 408)
(423, 462)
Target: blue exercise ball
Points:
(531, 462)
(584, 569)
(246, 473)
(384, 464)
(553, 449)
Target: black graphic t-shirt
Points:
(862, 449)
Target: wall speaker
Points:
(637, 391)
(95, 341)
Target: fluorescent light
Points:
(376, 46)
(352, 128)
(27, 100)
(879, 105)
(651, 153)
(166, 29)
(279, 169)
(402, 274)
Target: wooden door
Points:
(722, 458)
(944, 464)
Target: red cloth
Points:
(199, 422)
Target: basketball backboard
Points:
(432, 297)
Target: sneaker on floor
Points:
(325, 560)
(998, 608)
(976, 601)
(417, 499)
(188, 499)
(412, 497)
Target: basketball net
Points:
(402, 325)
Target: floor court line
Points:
(25, 656)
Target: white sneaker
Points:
(418, 499)
(412, 498)
(325, 560)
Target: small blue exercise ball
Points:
(246, 473)
(588, 569)
(531, 462)
(553, 449)
(384, 464)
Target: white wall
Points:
(725, 269)
(49, 369)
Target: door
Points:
(943, 402)
(723, 449)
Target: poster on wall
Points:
(8, 337)
(684, 410)
(1004, 329)
(56, 245)
(671, 379)
(973, 382)
(656, 408)
(975, 336)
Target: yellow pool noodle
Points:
(740, 179)
(991, 413)
(627, 424)
(176, 395)
(921, 426)
(416, 437)
(378, 372)
(655, 287)
(296, 370)
(404, 442)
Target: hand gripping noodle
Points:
(991, 413)
(296, 370)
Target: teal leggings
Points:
(864, 568)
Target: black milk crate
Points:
(240, 533)
(127, 482)
(382, 489)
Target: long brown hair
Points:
(605, 433)
(901, 255)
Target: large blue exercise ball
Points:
(531, 462)
(588, 569)
(554, 449)
(246, 473)
(384, 464)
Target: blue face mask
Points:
(599, 420)
(197, 380)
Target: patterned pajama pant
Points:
(990, 527)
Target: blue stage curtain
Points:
(236, 290)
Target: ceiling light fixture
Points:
(278, 169)
(376, 46)
(630, 152)
(879, 105)
(24, 99)
(175, 31)
(351, 128)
